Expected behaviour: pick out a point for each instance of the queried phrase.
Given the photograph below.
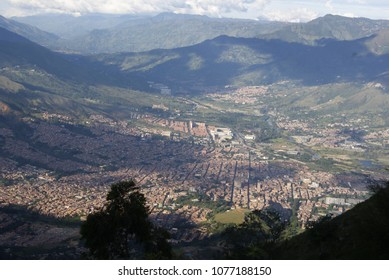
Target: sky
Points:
(281, 10)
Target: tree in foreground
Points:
(253, 238)
(122, 229)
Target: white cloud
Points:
(295, 15)
(285, 10)
(362, 2)
(205, 7)
(329, 5)
(350, 15)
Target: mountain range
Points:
(251, 61)
(96, 33)
(329, 27)
(109, 34)
(28, 31)
(330, 49)
(33, 76)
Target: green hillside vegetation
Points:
(7, 84)
(32, 33)
(34, 79)
(329, 27)
(17, 51)
(20, 54)
(239, 61)
(379, 44)
(250, 239)
(360, 233)
(68, 26)
(164, 31)
(349, 98)
(96, 33)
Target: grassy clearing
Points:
(231, 217)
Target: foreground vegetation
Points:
(360, 233)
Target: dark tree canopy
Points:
(251, 239)
(122, 229)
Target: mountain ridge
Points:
(329, 27)
(250, 61)
(28, 31)
(166, 30)
(16, 50)
(94, 34)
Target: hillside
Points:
(68, 26)
(329, 27)
(36, 79)
(239, 61)
(16, 50)
(109, 34)
(379, 44)
(47, 237)
(96, 33)
(30, 32)
(213, 64)
(360, 233)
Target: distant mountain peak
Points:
(332, 18)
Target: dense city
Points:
(190, 172)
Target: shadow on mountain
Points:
(329, 61)
(353, 180)
(214, 63)
(119, 153)
(28, 235)
(240, 61)
(22, 54)
(360, 233)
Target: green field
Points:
(231, 216)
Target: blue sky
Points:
(283, 10)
